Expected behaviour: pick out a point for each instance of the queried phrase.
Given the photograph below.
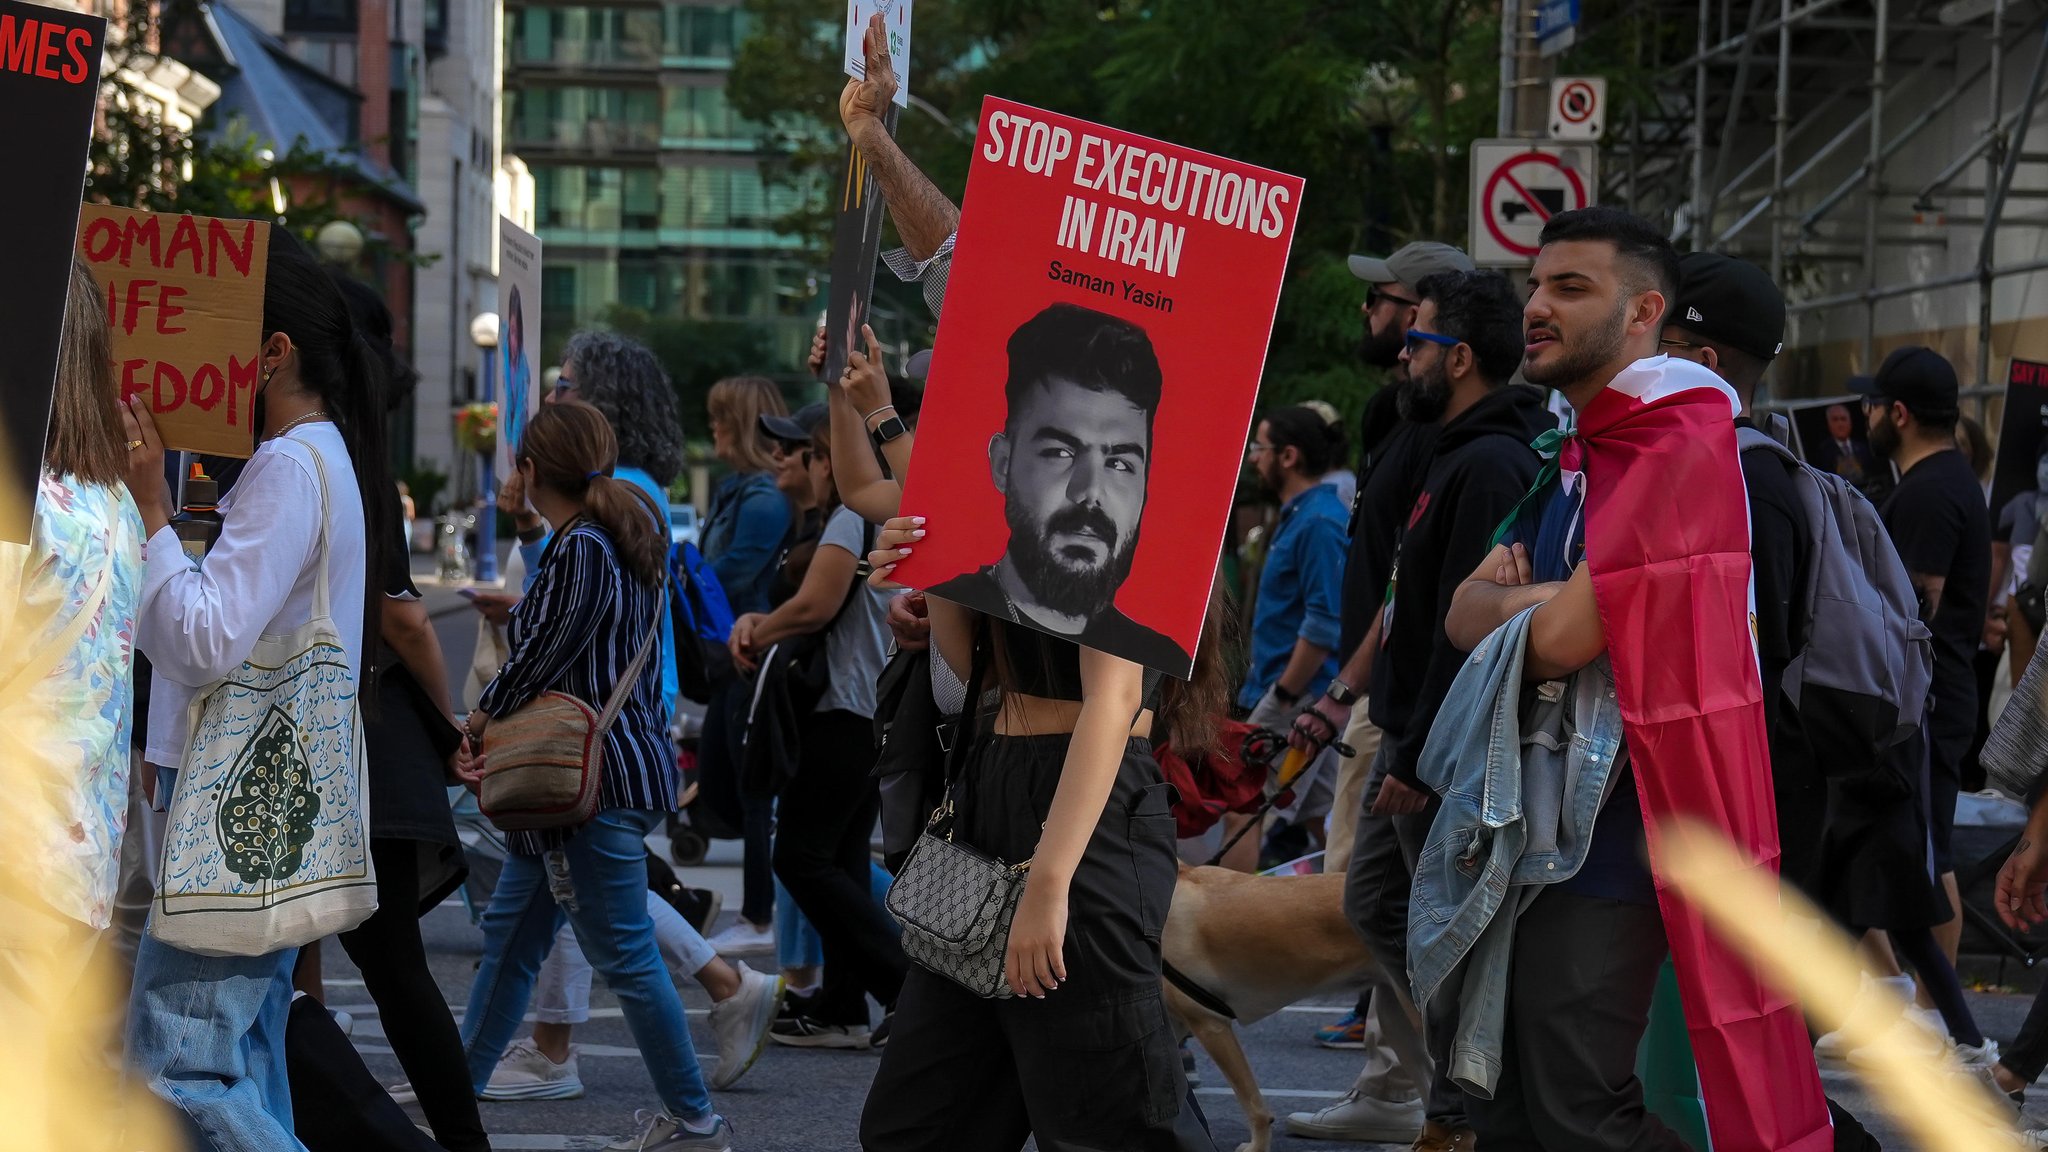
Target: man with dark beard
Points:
(1395, 449)
(1939, 523)
(1071, 463)
(1632, 555)
(1461, 353)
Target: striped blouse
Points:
(578, 627)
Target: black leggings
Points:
(388, 950)
(1916, 946)
(824, 825)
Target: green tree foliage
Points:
(1371, 101)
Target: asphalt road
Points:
(806, 1101)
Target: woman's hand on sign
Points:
(817, 360)
(145, 476)
(867, 386)
(866, 100)
(892, 544)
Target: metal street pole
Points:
(487, 514)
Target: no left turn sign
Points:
(1578, 106)
(1518, 185)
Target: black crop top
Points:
(1049, 667)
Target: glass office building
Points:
(648, 189)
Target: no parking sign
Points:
(1578, 107)
(1518, 185)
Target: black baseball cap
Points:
(1731, 302)
(798, 427)
(1918, 377)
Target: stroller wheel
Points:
(687, 847)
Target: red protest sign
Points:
(1105, 327)
(185, 299)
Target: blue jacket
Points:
(1522, 770)
(1301, 592)
(743, 537)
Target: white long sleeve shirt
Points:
(198, 623)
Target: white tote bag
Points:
(267, 844)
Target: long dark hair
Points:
(573, 452)
(1189, 710)
(338, 365)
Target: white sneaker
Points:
(1834, 1048)
(1980, 1058)
(660, 1132)
(1919, 1032)
(1361, 1118)
(525, 1073)
(343, 1021)
(741, 1025)
(744, 939)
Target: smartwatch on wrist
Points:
(1342, 693)
(889, 429)
(534, 534)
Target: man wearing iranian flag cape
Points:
(1635, 547)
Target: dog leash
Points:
(1196, 992)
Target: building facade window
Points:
(579, 37)
(701, 37)
(698, 117)
(573, 116)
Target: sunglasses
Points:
(1374, 295)
(1682, 345)
(1417, 338)
(564, 384)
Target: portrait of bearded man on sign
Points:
(1071, 463)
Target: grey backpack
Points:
(1863, 663)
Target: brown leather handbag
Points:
(544, 764)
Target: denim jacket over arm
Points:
(1522, 770)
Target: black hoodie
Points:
(1481, 467)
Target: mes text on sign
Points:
(1517, 186)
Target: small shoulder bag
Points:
(955, 904)
(545, 762)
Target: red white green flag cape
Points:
(1667, 540)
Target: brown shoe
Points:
(1437, 1138)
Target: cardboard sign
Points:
(49, 82)
(517, 386)
(185, 298)
(1106, 322)
(856, 244)
(2021, 434)
(896, 18)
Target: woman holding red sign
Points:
(1057, 783)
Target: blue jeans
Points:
(608, 879)
(207, 1033)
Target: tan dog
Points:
(1257, 944)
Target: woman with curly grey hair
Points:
(619, 377)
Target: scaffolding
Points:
(1771, 139)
